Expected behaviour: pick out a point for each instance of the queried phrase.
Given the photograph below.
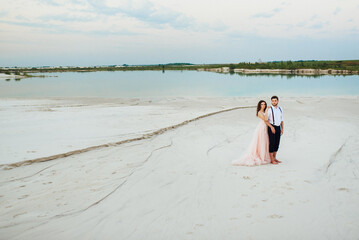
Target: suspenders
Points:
(273, 112)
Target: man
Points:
(275, 131)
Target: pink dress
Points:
(258, 150)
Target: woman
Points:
(258, 150)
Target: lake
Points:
(176, 83)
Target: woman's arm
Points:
(262, 117)
(265, 119)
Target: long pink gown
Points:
(258, 150)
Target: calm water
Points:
(176, 83)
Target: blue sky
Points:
(94, 32)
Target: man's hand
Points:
(273, 130)
(281, 132)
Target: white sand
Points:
(179, 184)
(36, 128)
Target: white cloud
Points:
(268, 14)
(337, 10)
(152, 24)
(259, 17)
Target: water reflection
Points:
(177, 83)
(288, 76)
(9, 79)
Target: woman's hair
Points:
(259, 106)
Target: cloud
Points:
(118, 33)
(315, 16)
(50, 2)
(301, 24)
(67, 18)
(102, 8)
(319, 25)
(3, 13)
(267, 14)
(337, 10)
(28, 24)
(177, 25)
(145, 12)
(316, 26)
(59, 29)
(235, 35)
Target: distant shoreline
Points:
(223, 70)
(347, 67)
(309, 71)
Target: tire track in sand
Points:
(144, 136)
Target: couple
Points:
(266, 138)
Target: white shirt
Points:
(278, 115)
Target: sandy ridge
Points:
(144, 136)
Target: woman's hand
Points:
(273, 130)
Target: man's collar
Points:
(275, 106)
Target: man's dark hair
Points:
(274, 97)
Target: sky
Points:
(115, 32)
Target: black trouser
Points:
(274, 139)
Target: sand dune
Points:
(180, 184)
